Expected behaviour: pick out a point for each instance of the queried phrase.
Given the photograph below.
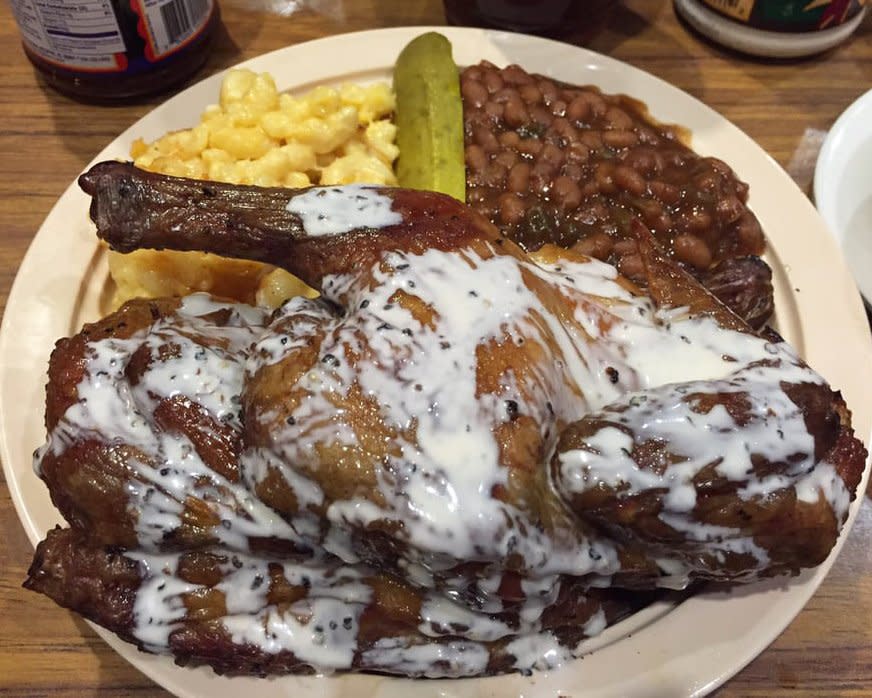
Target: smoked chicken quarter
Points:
(462, 459)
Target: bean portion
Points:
(553, 163)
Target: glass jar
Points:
(109, 50)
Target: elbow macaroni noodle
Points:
(255, 135)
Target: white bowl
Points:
(843, 188)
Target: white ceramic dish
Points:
(671, 649)
(843, 188)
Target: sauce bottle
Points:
(559, 18)
(774, 28)
(110, 50)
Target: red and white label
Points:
(167, 25)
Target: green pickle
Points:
(429, 117)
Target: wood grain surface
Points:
(46, 140)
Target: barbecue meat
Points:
(385, 624)
(491, 435)
(744, 285)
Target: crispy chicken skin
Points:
(101, 584)
(457, 445)
(783, 521)
(135, 209)
(94, 475)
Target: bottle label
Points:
(85, 35)
(789, 15)
(737, 9)
(167, 25)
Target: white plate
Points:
(684, 649)
(843, 188)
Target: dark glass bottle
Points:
(110, 50)
(558, 18)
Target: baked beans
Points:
(550, 162)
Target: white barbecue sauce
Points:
(335, 210)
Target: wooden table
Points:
(46, 139)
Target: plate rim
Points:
(542, 684)
(823, 183)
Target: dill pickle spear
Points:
(429, 117)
